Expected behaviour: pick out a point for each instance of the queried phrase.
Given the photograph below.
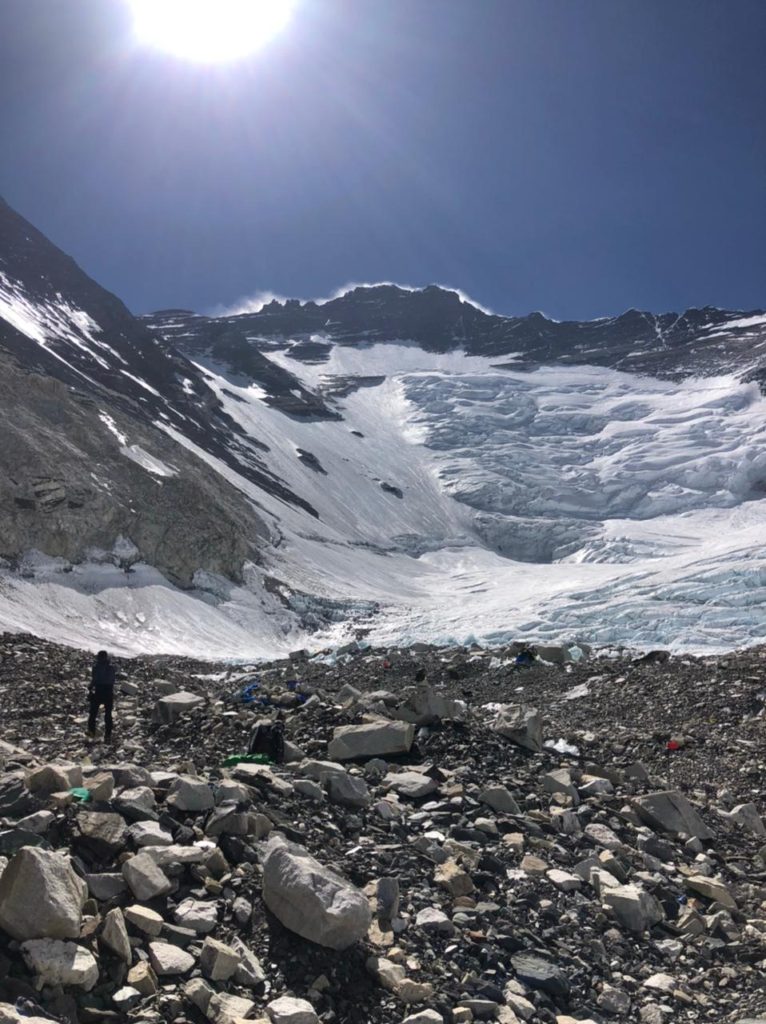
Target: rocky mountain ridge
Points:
(696, 342)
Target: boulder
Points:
(218, 961)
(188, 793)
(53, 778)
(287, 1010)
(310, 899)
(41, 896)
(521, 724)
(423, 706)
(410, 784)
(373, 739)
(228, 1009)
(713, 889)
(539, 972)
(61, 963)
(145, 878)
(114, 935)
(198, 915)
(144, 919)
(670, 811)
(500, 799)
(101, 834)
(634, 908)
(143, 979)
(149, 833)
(167, 959)
(347, 790)
(169, 709)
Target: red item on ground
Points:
(674, 745)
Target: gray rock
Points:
(287, 1010)
(188, 793)
(228, 1009)
(53, 778)
(538, 972)
(61, 963)
(101, 833)
(196, 914)
(373, 739)
(167, 959)
(145, 878)
(634, 908)
(347, 790)
(249, 973)
(149, 833)
(410, 784)
(169, 709)
(521, 725)
(41, 896)
(310, 899)
(499, 799)
(670, 811)
(115, 935)
(144, 919)
(106, 886)
(218, 961)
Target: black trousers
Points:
(101, 695)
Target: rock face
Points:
(41, 896)
(310, 899)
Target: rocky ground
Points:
(565, 842)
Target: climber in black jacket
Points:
(101, 691)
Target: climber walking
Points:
(101, 691)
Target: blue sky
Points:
(574, 156)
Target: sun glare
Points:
(209, 31)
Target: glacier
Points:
(459, 498)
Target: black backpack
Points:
(268, 738)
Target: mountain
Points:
(699, 341)
(318, 470)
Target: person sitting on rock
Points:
(101, 691)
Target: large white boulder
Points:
(41, 896)
(373, 739)
(310, 899)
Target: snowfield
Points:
(462, 500)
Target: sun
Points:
(209, 31)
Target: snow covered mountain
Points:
(392, 462)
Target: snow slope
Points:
(460, 500)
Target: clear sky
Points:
(574, 156)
